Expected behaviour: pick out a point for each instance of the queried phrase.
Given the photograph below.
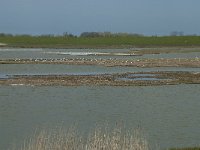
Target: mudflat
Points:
(160, 62)
(120, 79)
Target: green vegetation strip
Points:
(99, 42)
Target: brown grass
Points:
(99, 139)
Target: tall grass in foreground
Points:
(99, 139)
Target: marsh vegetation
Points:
(101, 138)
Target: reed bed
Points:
(99, 139)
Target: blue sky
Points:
(149, 17)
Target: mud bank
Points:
(176, 62)
(124, 79)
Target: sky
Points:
(148, 17)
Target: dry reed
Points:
(99, 139)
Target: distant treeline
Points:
(84, 34)
(108, 34)
(93, 34)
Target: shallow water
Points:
(174, 55)
(169, 115)
(57, 53)
(3, 76)
(140, 79)
(61, 53)
(55, 69)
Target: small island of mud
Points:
(145, 62)
(123, 79)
